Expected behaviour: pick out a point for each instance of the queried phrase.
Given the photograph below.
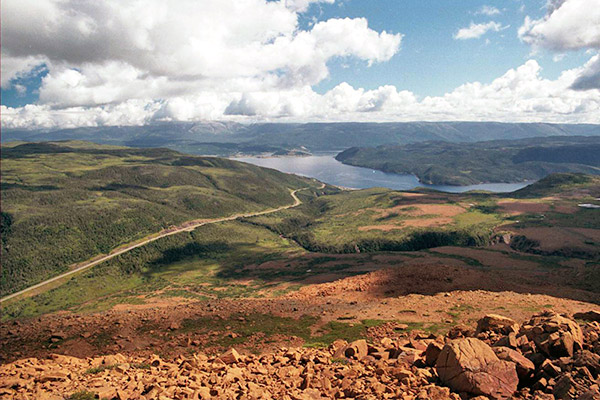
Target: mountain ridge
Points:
(193, 137)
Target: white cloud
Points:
(568, 25)
(520, 94)
(135, 62)
(168, 46)
(20, 89)
(133, 112)
(488, 10)
(558, 57)
(302, 5)
(475, 31)
(16, 67)
(132, 63)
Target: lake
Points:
(327, 169)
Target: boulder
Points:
(357, 349)
(469, 365)
(509, 340)
(230, 357)
(498, 324)
(338, 347)
(589, 360)
(555, 335)
(525, 367)
(432, 353)
(459, 331)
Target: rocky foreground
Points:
(548, 357)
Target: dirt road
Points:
(186, 226)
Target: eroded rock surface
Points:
(411, 366)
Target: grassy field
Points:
(382, 219)
(66, 202)
(199, 264)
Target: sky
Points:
(71, 63)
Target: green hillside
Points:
(342, 233)
(446, 163)
(64, 202)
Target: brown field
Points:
(417, 210)
(490, 258)
(520, 207)
(430, 215)
(554, 238)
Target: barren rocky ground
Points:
(178, 348)
(548, 356)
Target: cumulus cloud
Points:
(590, 75)
(133, 63)
(132, 112)
(521, 94)
(105, 52)
(17, 67)
(568, 25)
(475, 31)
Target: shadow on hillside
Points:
(391, 274)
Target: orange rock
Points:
(357, 349)
(230, 357)
(497, 323)
(525, 367)
(554, 334)
(432, 353)
(469, 365)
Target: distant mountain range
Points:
(227, 138)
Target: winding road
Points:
(186, 226)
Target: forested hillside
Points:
(64, 202)
(472, 163)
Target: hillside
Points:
(64, 202)
(335, 234)
(228, 138)
(349, 283)
(446, 163)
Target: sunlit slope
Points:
(64, 202)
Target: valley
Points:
(302, 265)
(64, 203)
(300, 200)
